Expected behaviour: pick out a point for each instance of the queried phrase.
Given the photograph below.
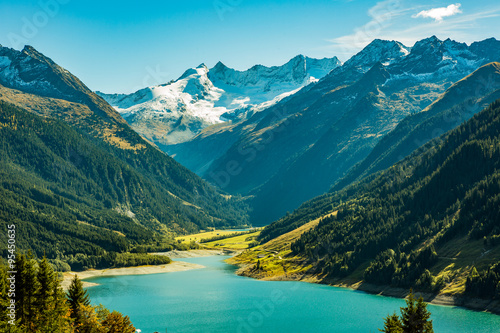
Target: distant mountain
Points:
(175, 112)
(460, 102)
(430, 222)
(32, 72)
(376, 51)
(77, 179)
(301, 146)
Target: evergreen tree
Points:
(61, 309)
(415, 316)
(26, 288)
(42, 306)
(50, 301)
(45, 294)
(392, 324)
(77, 297)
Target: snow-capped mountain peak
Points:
(298, 70)
(202, 69)
(202, 96)
(382, 51)
(432, 58)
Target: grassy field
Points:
(456, 259)
(240, 242)
(203, 235)
(274, 259)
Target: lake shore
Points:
(475, 304)
(175, 254)
(174, 266)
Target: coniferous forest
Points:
(396, 222)
(394, 138)
(42, 306)
(64, 192)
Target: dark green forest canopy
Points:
(70, 194)
(393, 221)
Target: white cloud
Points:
(381, 15)
(463, 28)
(438, 13)
(390, 20)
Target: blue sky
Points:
(120, 46)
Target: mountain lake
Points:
(215, 299)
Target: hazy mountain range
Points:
(304, 144)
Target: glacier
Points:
(175, 112)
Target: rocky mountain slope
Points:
(430, 222)
(175, 112)
(303, 145)
(456, 105)
(73, 169)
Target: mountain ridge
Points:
(143, 183)
(456, 105)
(203, 96)
(428, 222)
(405, 88)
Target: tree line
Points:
(33, 301)
(394, 220)
(71, 194)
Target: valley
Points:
(378, 174)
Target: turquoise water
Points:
(214, 299)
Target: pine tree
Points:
(45, 295)
(77, 297)
(392, 324)
(42, 306)
(26, 288)
(50, 301)
(415, 316)
(61, 309)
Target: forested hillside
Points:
(460, 102)
(431, 221)
(34, 82)
(300, 147)
(71, 196)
